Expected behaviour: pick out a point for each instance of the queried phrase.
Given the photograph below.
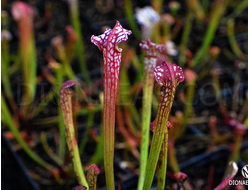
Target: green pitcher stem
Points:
(66, 106)
(162, 163)
(158, 135)
(148, 81)
(168, 76)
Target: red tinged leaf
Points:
(152, 49)
(190, 75)
(93, 171)
(64, 98)
(152, 125)
(119, 187)
(108, 43)
(150, 60)
(66, 107)
(21, 10)
(180, 176)
(229, 177)
(151, 57)
(111, 36)
(79, 188)
(65, 102)
(168, 76)
(72, 36)
(23, 14)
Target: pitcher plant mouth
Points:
(93, 171)
(108, 43)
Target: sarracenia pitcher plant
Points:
(168, 76)
(152, 51)
(108, 43)
(66, 106)
(23, 14)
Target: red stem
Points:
(108, 43)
